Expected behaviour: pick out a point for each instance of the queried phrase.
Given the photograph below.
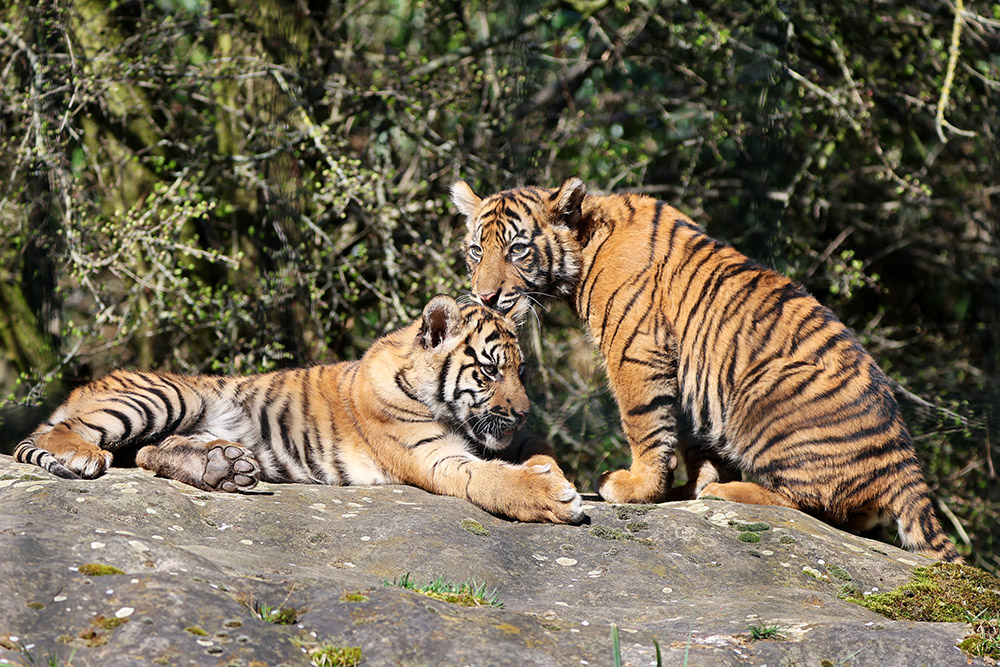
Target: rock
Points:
(690, 576)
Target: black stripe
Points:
(662, 401)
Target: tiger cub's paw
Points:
(77, 456)
(230, 468)
(89, 464)
(555, 499)
(625, 486)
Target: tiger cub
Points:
(437, 405)
(699, 339)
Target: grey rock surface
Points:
(195, 564)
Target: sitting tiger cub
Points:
(437, 405)
(697, 338)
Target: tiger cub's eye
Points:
(475, 252)
(518, 249)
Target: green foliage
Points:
(200, 188)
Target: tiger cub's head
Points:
(468, 371)
(521, 243)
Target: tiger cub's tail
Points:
(918, 525)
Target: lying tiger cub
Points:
(437, 405)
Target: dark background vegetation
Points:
(236, 187)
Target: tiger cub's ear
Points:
(567, 200)
(441, 320)
(465, 199)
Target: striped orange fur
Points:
(698, 339)
(438, 404)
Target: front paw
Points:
(550, 497)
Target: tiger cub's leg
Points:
(703, 467)
(522, 492)
(746, 492)
(98, 418)
(643, 378)
(216, 465)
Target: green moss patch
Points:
(941, 592)
(626, 512)
(196, 631)
(98, 570)
(613, 534)
(356, 596)
(609, 533)
(754, 527)
(474, 527)
(837, 572)
(947, 592)
(93, 638)
(107, 623)
(637, 526)
(750, 538)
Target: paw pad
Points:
(230, 469)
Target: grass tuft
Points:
(763, 631)
(466, 594)
(328, 654)
(278, 615)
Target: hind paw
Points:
(230, 468)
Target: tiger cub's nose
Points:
(490, 299)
